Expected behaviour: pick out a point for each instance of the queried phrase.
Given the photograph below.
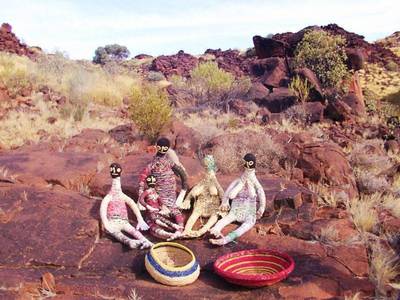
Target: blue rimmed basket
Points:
(172, 264)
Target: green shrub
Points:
(324, 54)
(392, 66)
(300, 88)
(371, 99)
(150, 110)
(210, 86)
(110, 52)
(155, 76)
(209, 77)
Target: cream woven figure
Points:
(114, 214)
(207, 195)
(243, 192)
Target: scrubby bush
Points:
(15, 73)
(229, 155)
(392, 66)
(110, 52)
(155, 76)
(210, 86)
(300, 88)
(78, 81)
(371, 99)
(324, 54)
(150, 110)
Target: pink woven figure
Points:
(243, 192)
(164, 170)
(156, 217)
(114, 214)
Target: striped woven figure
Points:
(114, 214)
(243, 192)
(160, 225)
(254, 268)
(164, 169)
(207, 195)
(172, 264)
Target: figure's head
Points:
(151, 181)
(115, 170)
(249, 161)
(163, 145)
(209, 163)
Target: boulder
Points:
(316, 92)
(277, 101)
(269, 47)
(275, 72)
(355, 59)
(325, 162)
(184, 140)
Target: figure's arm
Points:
(141, 223)
(226, 197)
(103, 212)
(219, 189)
(142, 179)
(143, 203)
(195, 192)
(261, 197)
(179, 171)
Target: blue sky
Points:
(163, 27)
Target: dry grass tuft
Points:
(133, 295)
(363, 211)
(392, 203)
(329, 235)
(383, 267)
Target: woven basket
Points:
(172, 264)
(254, 268)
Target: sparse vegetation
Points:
(150, 110)
(363, 212)
(383, 267)
(79, 82)
(324, 54)
(210, 86)
(300, 88)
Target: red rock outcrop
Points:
(10, 43)
(178, 64)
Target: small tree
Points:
(110, 53)
(150, 110)
(324, 54)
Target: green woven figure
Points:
(207, 195)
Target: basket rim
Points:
(175, 245)
(256, 277)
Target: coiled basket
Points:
(254, 268)
(172, 264)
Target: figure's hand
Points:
(142, 225)
(164, 211)
(259, 214)
(185, 204)
(225, 207)
(151, 208)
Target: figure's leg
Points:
(246, 226)
(190, 223)
(167, 223)
(137, 235)
(157, 231)
(216, 230)
(211, 221)
(116, 232)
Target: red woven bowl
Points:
(254, 268)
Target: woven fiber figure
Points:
(207, 195)
(156, 218)
(243, 192)
(164, 170)
(114, 214)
